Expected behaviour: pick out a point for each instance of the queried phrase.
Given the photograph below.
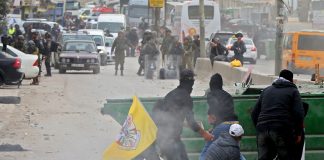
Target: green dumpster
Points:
(118, 109)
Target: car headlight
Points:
(63, 60)
(93, 60)
(68, 60)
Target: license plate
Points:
(77, 65)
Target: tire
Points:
(96, 71)
(1, 81)
(62, 71)
(103, 61)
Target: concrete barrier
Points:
(231, 74)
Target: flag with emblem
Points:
(137, 134)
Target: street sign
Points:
(156, 3)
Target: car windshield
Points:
(80, 46)
(76, 37)
(98, 40)
(113, 27)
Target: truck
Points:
(72, 7)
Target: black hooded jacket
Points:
(169, 114)
(220, 102)
(279, 107)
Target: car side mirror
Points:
(107, 44)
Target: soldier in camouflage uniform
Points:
(119, 46)
(20, 44)
(188, 55)
(166, 44)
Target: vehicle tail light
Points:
(253, 49)
(17, 63)
(36, 63)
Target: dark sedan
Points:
(79, 55)
(9, 69)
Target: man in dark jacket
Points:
(18, 32)
(226, 147)
(275, 115)
(239, 48)
(133, 39)
(49, 47)
(218, 51)
(220, 110)
(169, 115)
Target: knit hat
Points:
(288, 75)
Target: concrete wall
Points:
(230, 74)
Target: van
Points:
(113, 22)
(302, 50)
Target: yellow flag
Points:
(137, 134)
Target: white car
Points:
(251, 53)
(29, 63)
(108, 44)
(98, 37)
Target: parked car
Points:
(251, 53)
(223, 38)
(108, 43)
(29, 63)
(243, 25)
(9, 70)
(79, 55)
(98, 36)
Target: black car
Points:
(9, 70)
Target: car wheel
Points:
(1, 81)
(96, 71)
(62, 71)
(253, 61)
(103, 61)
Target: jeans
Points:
(48, 64)
(172, 149)
(275, 142)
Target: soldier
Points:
(188, 55)
(20, 44)
(120, 45)
(34, 46)
(166, 44)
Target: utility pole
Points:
(279, 36)
(202, 28)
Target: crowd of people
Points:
(278, 117)
(32, 42)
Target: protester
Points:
(239, 48)
(50, 46)
(227, 146)
(218, 51)
(169, 115)
(20, 44)
(220, 110)
(133, 39)
(278, 110)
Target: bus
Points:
(302, 50)
(190, 18)
(137, 9)
(173, 14)
(317, 14)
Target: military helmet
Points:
(237, 35)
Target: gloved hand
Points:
(207, 136)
